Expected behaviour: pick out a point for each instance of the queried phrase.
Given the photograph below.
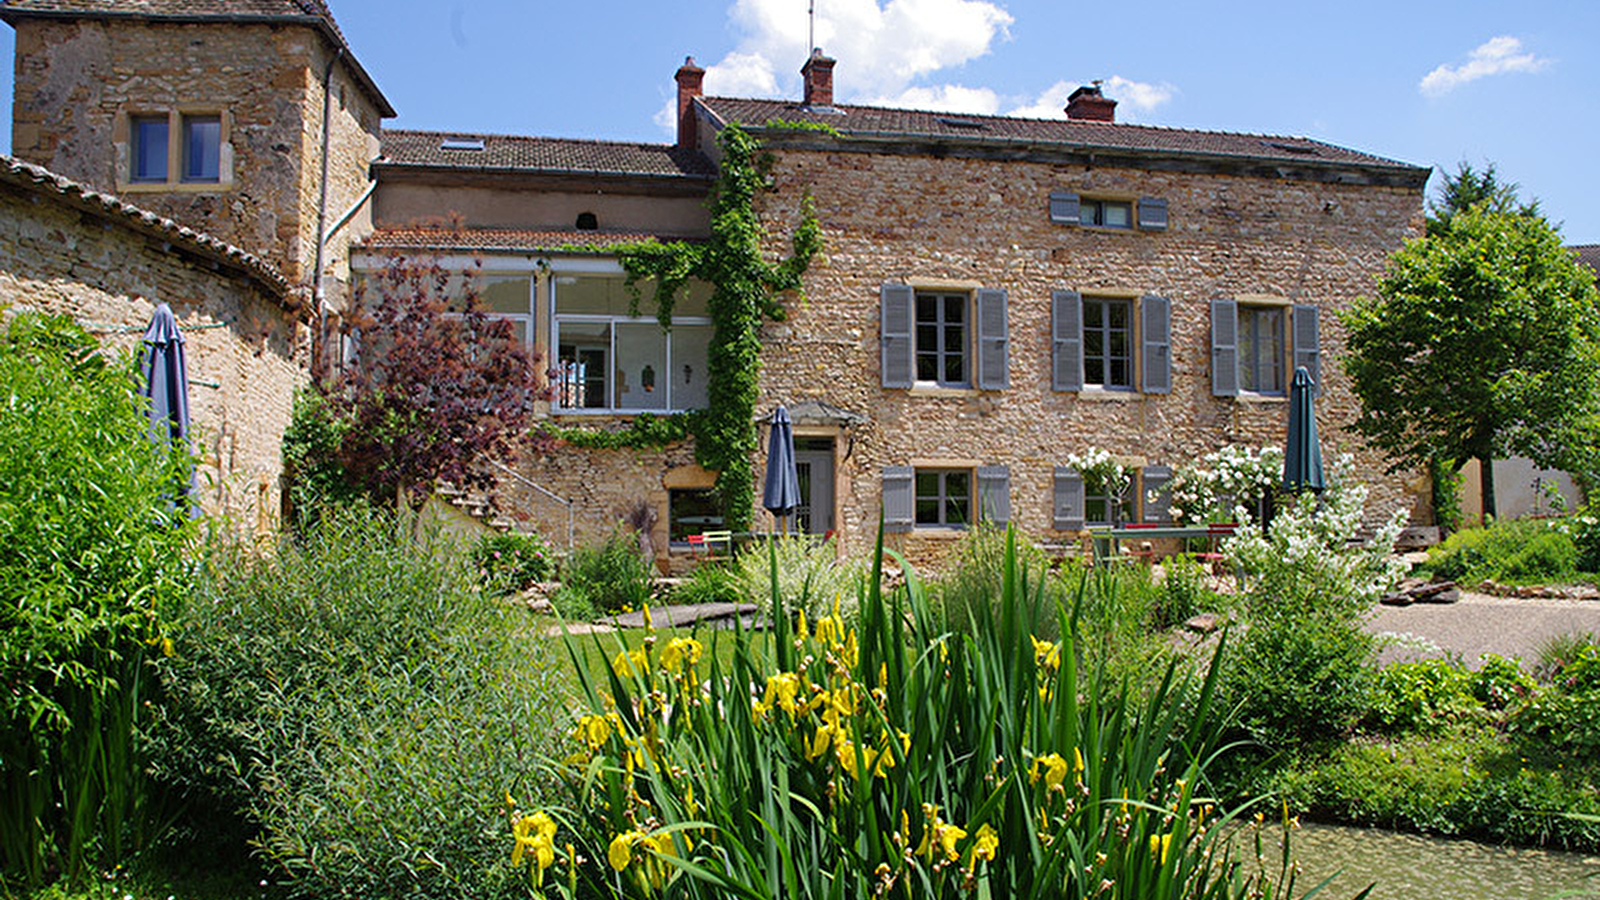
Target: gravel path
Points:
(1481, 623)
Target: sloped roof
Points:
(504, 153)
(314, 13)
(1589, 255)
(883, 122)
(39, 180)
(491, 240)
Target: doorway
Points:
(813, 462)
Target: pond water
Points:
(1409, 866)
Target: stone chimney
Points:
(1087, 105)
(818, 75)
(691, 82)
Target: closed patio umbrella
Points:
(166, 386)
(1302, 456)
(782, 492)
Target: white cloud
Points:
(944, 98)
(1133, 98)
(1495, 56)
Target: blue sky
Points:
(1431, 83)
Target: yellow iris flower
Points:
(987, 842)
(680, 652)
(1051, 768)
(535, 835)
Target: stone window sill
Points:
(1101, 394)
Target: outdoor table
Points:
(1113, 537)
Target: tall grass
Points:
(899, 759)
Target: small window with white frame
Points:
(1105, 213)
(610, 360)
(943, 498)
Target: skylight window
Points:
(1302, 149)
(969, 124)
(461, 144)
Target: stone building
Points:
(993, 294)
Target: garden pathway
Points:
(1482, 623)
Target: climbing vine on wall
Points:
(747, 289)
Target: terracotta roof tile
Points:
(486, 240)
(540, 154)
(1589, 255)
(886, 122)
(30, 177)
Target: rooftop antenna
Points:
(811, 34)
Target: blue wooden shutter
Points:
(1154, 482)
(896, 361)
(994, 494)
(1224, 348)
(899, 501)
(1307, 338)
(993, 343)
(1153, 213)
(1068, 503)
(1063, 208)
(1156, 327)
(1066, 341)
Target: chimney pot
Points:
(1087, 104)
(818, 75)
(691, 81)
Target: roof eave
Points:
(386, 110)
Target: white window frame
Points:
(1131, 304)
(969, 356)
(1281, 335)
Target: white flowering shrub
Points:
(1101, 472)
(1225, 486)
(1307, 560)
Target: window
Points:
(1108, 343)
(942, 338)
(691, 511)
(944, 498)
(608, 359)
(1098, 507)
(945, 338)
(1261, 353)
(1106, 213)
(1255, 344)
(1094, 343)
(148, 135)
(202, 148)
(1077, 507)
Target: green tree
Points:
(1469, 188)
(1483, 341)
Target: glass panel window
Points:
(1097, 508)
(943, 498)
(1261, 349)
(691, 512)
(608, 359)
(942, 339)
(148, 134)
(1106, 213)
(1108, 343)
(202, 148)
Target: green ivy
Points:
(746, 290)
(793, 125)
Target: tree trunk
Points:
(1486, 486)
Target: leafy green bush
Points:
(1185, 591)
(1558, 650)
(891, 760)
(611, 575)
(1500, 682)
(1301, 679)
(1410, 696)
(810, 576)
(359, 709)
(1508, 550)
(511, 561)
(1567, 715)
(1585, 530)
(712, 583)
(311, 467)
(91, 564)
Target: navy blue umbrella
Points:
(1302, 457)
(782, 494)
(166, 384)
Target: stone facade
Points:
(78, 82)
(105, 264)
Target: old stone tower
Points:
(250, 120)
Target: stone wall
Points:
(246, 352)
(965, 223)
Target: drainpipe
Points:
(318, 298)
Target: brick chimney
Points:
(1087, 105)
(818, 75)
(691, 81)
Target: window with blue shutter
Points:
(1066, 344)
(1307, 343)
(1064, 208)
(1157, 496)
(1153, 213)
(894, 327)
(1156, 360)
(994, 494)
(898, 498)
(993, 344)
(1224, 348)
(1068, 499)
